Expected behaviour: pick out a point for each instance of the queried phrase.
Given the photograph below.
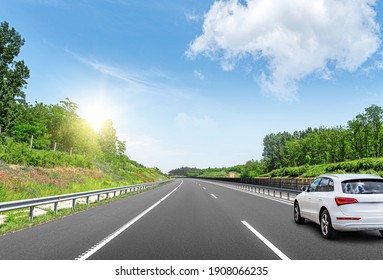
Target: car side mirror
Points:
(304, 188)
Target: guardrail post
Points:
(288, 196)
(31, 212)
(55, 206)
(73, 203)
(87, 199)
(98, 198)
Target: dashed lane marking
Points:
(267, 242)
(102, 243)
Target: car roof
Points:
(344, 177)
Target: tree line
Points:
(361, 138)
(52, 126)
(349, 148)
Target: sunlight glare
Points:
(96, 113)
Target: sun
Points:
(95, 114)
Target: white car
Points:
(342, 202)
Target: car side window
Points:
(325, 185)
(314, 185)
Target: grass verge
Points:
(18, 219)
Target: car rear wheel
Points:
(297, 214)
(327, 230)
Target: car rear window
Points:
(363, 186)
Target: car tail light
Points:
(345, 200)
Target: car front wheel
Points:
(297, 214)
(327, 230)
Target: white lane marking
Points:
(93, 250)
(267, 242)
(214, 196)
(204, 188)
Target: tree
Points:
(13, 76)
(374, 116)
(33, 122)
(63, 124)
(367, 131)
(84, 138)
(121, 147)
(274, 149)
(252, 169)
(108, 139)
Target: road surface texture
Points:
(187, 220)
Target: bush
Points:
(20, 153)
(367, 165)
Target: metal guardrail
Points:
(281, 192)
(286, 183)
(32, 203)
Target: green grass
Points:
(19, 219)
(25, 182)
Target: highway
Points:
(187, 220)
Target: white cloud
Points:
(193, 17)
(111, 71)
(376, 65)
(296, 38)
(199, 75)
(183, 120)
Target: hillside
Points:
(28, 173)
(22, 182)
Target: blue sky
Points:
(201, 83)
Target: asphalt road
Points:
(187, 220)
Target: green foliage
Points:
(362, 138)
(367, 165)
(13, 76)
(23, 182)
(251, 169)
(108, 139)
(14, 152)
(185, 172)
